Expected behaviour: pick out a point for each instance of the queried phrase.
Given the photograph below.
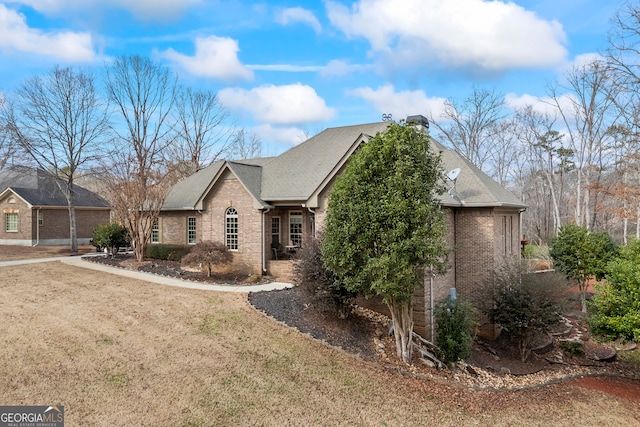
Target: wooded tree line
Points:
(572, 156)
(134, 128)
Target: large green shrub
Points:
(326, 291)
(111, 236)
(166, 252)
(455, 327)
(616, 306)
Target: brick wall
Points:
(173, 227)
(439, 284)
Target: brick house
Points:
(262, 208)
(35, 211)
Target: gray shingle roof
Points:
(186, 193)
(39, 188)
(473, 187)
(297, 174)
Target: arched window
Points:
(231, 228)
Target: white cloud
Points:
(282, 135)
(287, 68)
(339, 68)
(399, 104)
(17, 37)
(287, 104)
(585, 60)
(481, 36)
(145, 9)
(298, 14)
(542, 104)
(215, 57)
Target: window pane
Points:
(11, 222)
(295, 228)
(231, 228)
(191, 229)
(275, 230)
(155, 232)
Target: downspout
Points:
(520, 211)
(37, 227)
(314, 221)
(264, 241)
(431, 302)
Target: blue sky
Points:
(286, 69)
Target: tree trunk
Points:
(73, 234)
(402, 317)
(583, 295)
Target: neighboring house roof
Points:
(301, 172)
(39, 189)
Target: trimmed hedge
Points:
(167, 252)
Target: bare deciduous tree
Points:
(246, 145)
(471, 127)
(548, 162)
(586, 110)
(203, 134)
(59, 121)
(144, 94)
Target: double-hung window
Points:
(155, 231)
(11, 222)
(295, 228)
(275, 229)
(191, 230)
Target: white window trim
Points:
(6, 223)
(195, 230)
(227, 235)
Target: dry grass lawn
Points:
(121, 352)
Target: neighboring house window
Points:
(11, 222)
(275, 229)
(191, 230)
(155, 231)
(40, 219)
(507, 234)
(231, 229)
(295, 228)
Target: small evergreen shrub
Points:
(525, 305)
(166, 252)
(572, 347)
(321, 284)
(455, 326)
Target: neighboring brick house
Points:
(35, 211)
(254, 205)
